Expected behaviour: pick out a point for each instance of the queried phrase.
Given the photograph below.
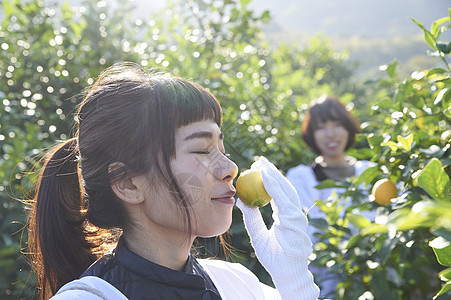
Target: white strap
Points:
(89, 288)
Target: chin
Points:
(216, 231)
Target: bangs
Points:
(322, 114)
(189, 102)
(328, 109)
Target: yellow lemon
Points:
(250, 189)
(384, 190)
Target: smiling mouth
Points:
(332, 145)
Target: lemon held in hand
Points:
(250, 189)
(384, 190)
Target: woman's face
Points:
(331, 138)
(206, 175)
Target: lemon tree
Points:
(405, 252)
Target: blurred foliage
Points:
(393, 257)
(49, 53)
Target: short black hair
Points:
(327, 108)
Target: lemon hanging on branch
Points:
(250, 188)
(384, 190)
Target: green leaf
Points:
(353, 240)
(445, 80)
(443, 232)
(434, 71)
(78, 28)
(443, 95)
(244, 3)
(374, 140)
(414, 220)
(434, 180)
(447, 111)
(386, 103)
(7, 251)
(329, 183)
(428, 37)
(443, 47)
(393, 146)
(391, 69)
(446, 104)
(19, 146)
(443, 290)
(405, 142)
(445, 275)
(442, 250)
(358, 220)
(433, 208)
(374, 228)
(8, 9)
(67, 11)
(435, 29)
(380, 286)
(330, 208)
(265, 17)
(387, 247)
(319, 223)
(368, 175)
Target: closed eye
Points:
(201, 152)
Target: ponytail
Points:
(61, 242)
(127, 116)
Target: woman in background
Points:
(328, 130)
(147, 160)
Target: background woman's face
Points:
(331, 138)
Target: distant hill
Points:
(347, 18)
(375, 32)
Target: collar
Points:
(145, 269)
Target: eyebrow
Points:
(202, 135)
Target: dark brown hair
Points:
(324, 109)
(127, 116)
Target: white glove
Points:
(284, 248)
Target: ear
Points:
(130, 190)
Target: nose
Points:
(330, 132)
(226, 169)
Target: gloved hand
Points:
(284, 248)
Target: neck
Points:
(158, 245)
(335, 161)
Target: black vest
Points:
(140, 279)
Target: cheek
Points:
(200, 167)
(161, 208)
(318, 136)
(344, 134)
(206, 166)
(193, 178)
(190, 165)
